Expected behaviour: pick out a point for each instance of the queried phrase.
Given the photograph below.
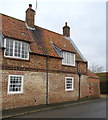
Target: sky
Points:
(86, 19)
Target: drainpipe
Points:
(79, 85)
(79, 76)
(47, 79)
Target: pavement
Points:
(31, 109)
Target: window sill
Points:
(68, 65)
(19, 59)
(67, 90)
(10, 93)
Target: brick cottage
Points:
(40, 66)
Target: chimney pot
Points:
(65, 23)
(30, 6)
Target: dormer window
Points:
(57, 49)
(68, 58)
(16, 49)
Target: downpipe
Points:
(47, 57)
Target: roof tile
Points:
(40, 39)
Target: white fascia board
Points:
(76, 48)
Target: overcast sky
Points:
(86, 18)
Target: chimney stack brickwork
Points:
(66, 30)
(30, 16)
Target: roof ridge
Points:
(35, 25)
(49, 30)
(12, 17)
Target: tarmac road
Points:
(94, 109)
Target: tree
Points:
(96, 68)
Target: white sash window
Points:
(16, 49)
(68, 58)
(15, 84)
(69, 83)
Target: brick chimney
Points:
(30, 16)
(66, 30)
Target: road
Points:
(94, 109)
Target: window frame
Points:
(67, 53)
(22, 83)
(71, 89)
(16, 57)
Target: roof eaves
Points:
(16, 39)
(46, 55)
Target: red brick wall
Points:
(39, 62)
(57, 92)
(83, 86)
(33, 90)
(0, 79)
(82, 67)
(95, 87)
(34, 72)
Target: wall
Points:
(57, 92)
(34, 71)
(33, 90)
(83, 86)
(0, 80)
(38, 62)
(95, 86)
(82, 67)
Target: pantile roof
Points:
(91, 74)
(40, 39)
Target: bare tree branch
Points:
(96, 68)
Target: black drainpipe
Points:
(47, 79)
(79, 76)
(79, 85)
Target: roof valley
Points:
(37, 35)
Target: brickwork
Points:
(0, 79)
(82, 67)
(34, 72)
(36, 62)
(83, 86)
(30, 16)
(66, 30)
(57, 92)
(33, 90)
(95, 86)
(39, 62)
(1, 59)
